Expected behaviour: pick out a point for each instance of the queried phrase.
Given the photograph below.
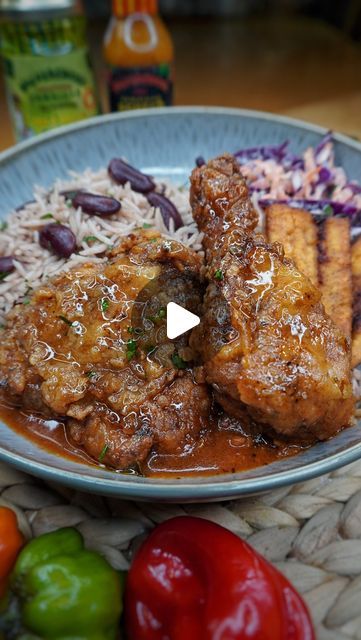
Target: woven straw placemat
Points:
(310, 531)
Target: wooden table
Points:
(295, 66)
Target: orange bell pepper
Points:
(11, 541)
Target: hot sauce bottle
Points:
(138, 51)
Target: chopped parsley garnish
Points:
(64, 319)
(328, 210)
(103, 453)
(178, 362)
(218, 274)
(131, 349)
(47, 216)
(26, 301)
(88, 239)
(90, 374)
(3, 225)
(146, 225)
(3, 274)
(105, 304)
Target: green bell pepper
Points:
(61, 591)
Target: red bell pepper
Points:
(194, 580)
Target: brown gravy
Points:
(217, 451)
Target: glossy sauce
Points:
(48, 434)
(217, 451)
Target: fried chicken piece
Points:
(169, 421)
(270, 351)
(91, 349)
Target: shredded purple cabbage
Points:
(295, 162)
(324, 175)
(355, 188)
(323, 185)
(321, 145)
(281, 154)
(266, 152)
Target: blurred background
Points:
(296, 57)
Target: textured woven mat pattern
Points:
(310, 531)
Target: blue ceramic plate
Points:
(163, 142)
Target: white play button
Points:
(179, 320)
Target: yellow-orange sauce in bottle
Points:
(138, 51)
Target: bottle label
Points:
(49, 91)
(140, 87)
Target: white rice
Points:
(34, 265)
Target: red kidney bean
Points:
(123, 172)
(96, 205)
(200, 161)
(58, 238)
(168, 210)
(6, 264)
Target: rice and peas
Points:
(311, 181)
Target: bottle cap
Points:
(126, 7)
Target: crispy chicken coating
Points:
(270, 351)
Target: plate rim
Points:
(166, 489)
(42, 138)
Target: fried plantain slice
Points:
(356, 322)
(296, 230)
(335, 275)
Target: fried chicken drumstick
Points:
(269, 350)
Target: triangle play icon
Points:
(179, 320)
